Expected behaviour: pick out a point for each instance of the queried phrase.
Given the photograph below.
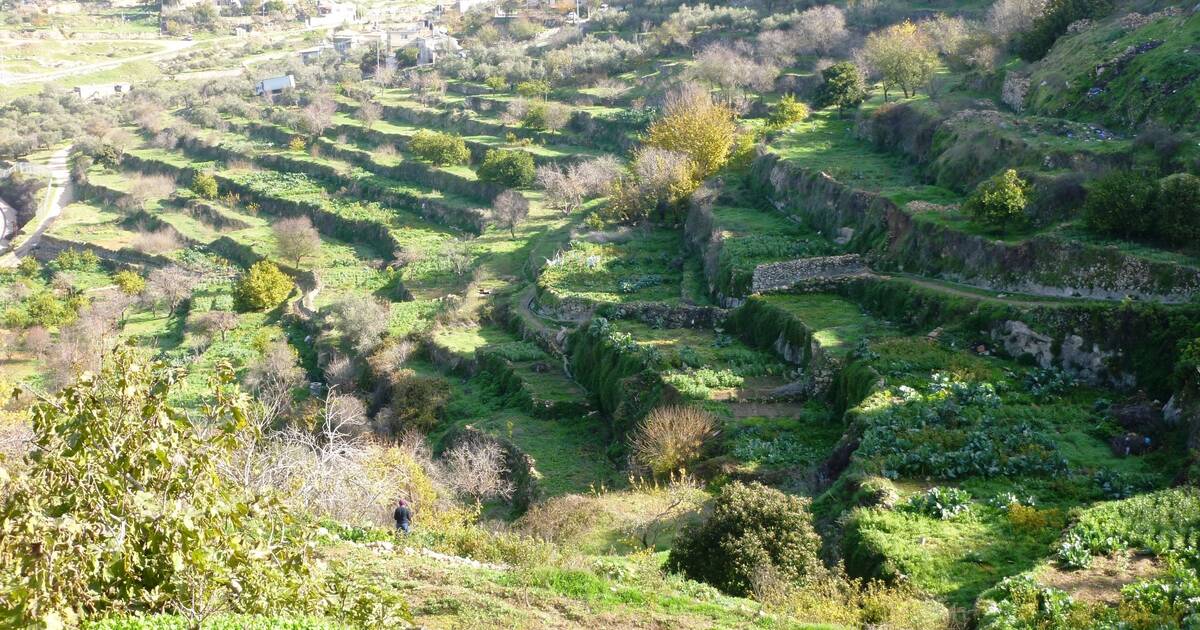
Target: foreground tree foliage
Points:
(121, 508)
(755, 534)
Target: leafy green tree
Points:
(903, 54)
(843, 87)
(1000, 201)
(514, 169)
(440, 148)
(264, 286)
(534, 89)
(1122, 204)
(121, 507)
(129, 282)
(697, 127)
(752, 528)
(205, 185)
(787, 112)
(1179, 208)
(407, 57)
(497, 83)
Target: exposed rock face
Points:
(1018, 340)
(1086, 364)
(789, 273)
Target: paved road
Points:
(60, 176)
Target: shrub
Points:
(205, 186)
(787, 111)
(752, 528)
(297, 144)
(941, 503)
(1179, 208)
(1000, 201)
(670, 438)
(76, 260)
(263, 286)
(1121, 203)
(440, 148)
(514, 169)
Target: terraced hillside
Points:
(674, 316)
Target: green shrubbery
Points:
(1130, 204)
(941, 503)
(514, 169)
(443, 149)
(1053, 23)
(786, 112)
(205, 186)
(753, 529)
(264, 286)
(1000, 201)
(1166, 522)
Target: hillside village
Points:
(557, 314)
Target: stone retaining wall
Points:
(789, 273)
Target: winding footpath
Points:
(54, 201)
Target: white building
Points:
(275, 85)
(331, 13)
(431, 48)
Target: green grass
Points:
(837, 324)
(827, 143)
(644, 267)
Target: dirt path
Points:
(56, 195)
(969, 291)
(171, 48)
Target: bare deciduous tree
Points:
(317, 116)
(730, 68)
(272, 377)
(170, 286)
(342, 373)
(213, 323)
(509, 209)
(426, 86)
(369, 113)
(477, 469)
(1007, 18)
(296, 238)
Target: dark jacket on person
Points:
(403, 516)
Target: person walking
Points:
(403, 516)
